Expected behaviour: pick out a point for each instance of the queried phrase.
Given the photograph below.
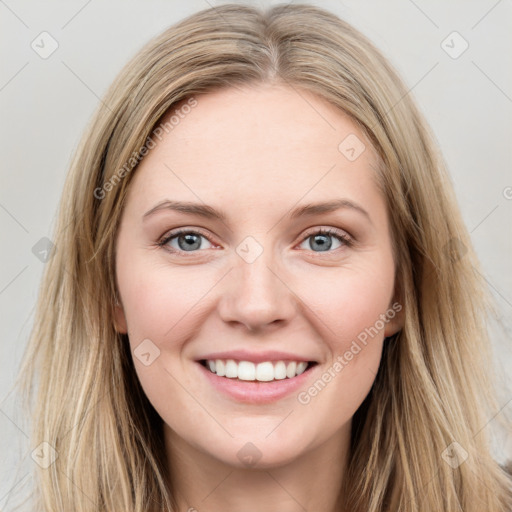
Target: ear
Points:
(396, 323)
(120, 319)
(395, 316)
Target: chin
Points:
(256, 452)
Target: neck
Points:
(312, 481)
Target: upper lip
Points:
(255, 357)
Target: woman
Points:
(263, 295)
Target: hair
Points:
(433, 386)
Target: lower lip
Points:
(256, 392)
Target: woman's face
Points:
(252, 279)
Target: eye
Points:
(188, 240)
(321, 240)
(185, 240)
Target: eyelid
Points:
(180, 231)
(327, 230)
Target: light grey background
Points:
(46, 103)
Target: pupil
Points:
(322, 242)
(191, 242)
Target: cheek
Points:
(349, 312)
(349, 302)
(159, 301)
(162, 307)
(350, 324)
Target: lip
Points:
(256, 357)
(257, 392)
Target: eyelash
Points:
(345, 239)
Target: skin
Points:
(256, 153)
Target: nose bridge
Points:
(256, 295)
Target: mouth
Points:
(257, 385)
(264, 372)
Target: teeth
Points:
(231, 369)
(263, 372)
(290, 369)
(301, 367)
(219, 368)
(245, 370)
(280, 370)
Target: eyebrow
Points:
(207, 212)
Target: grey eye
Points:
(321, 242)
(188, 242)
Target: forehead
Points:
(254, 145)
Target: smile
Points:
(266, 371)
(243, 381)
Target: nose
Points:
(256, 296)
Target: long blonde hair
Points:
(434, 384)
